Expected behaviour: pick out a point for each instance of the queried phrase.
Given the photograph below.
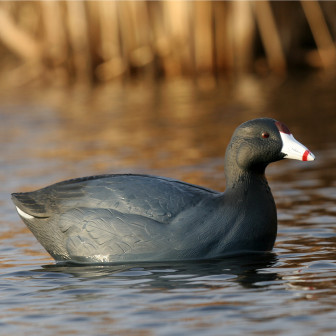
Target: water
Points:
(173, 130)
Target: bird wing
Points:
(109, 235)
(156, 198)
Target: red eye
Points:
(265, 135)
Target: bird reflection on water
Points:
(248, 271)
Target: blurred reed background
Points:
(67, 42)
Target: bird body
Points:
(130, 217)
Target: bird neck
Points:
(241, 171)
(235, 175)
(240, 178)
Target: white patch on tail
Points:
(23, 214)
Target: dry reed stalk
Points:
(164, 40)
(202, 36)
(242, 35)
(92, 14)
(142, 53)
(109, 40)
(177, 33)
(191, 43)
(270, 36)
(55, 42)
(222, 52)
(126, 31)
(113, 65)
(79, 42)
(320, 31)
(18, 40)
(160, 39)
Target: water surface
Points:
(170, 129)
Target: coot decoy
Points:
(130, 217)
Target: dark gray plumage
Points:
(117, 218)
